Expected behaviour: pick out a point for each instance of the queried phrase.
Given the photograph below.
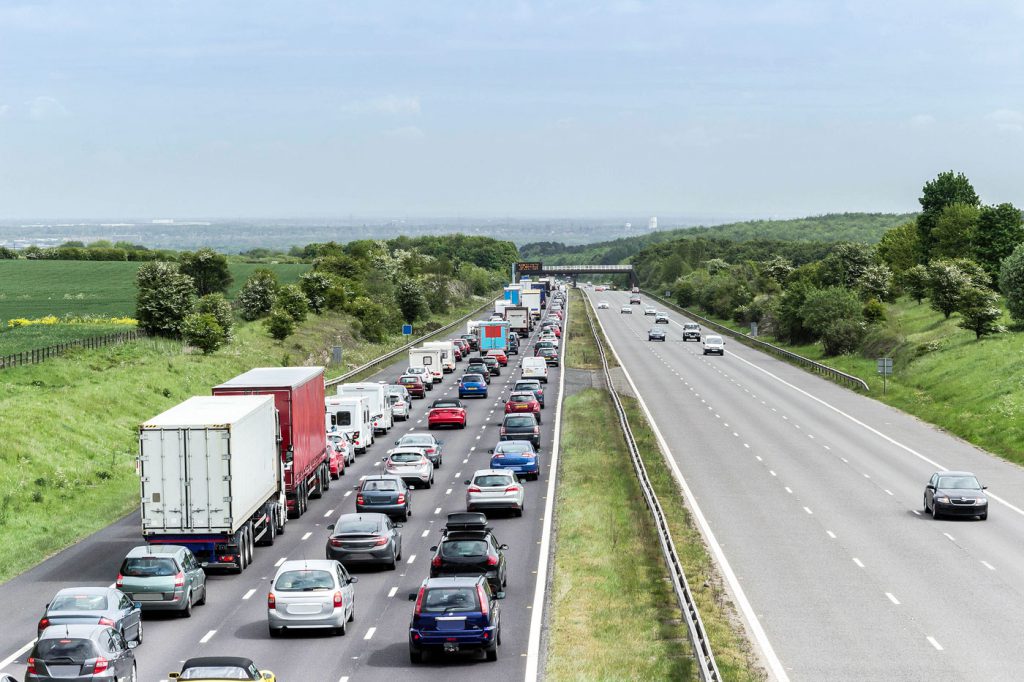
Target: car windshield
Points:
(406, 457)
(77, 650)
(463, 548)
(394, 398)
(472, 379)
(149, 567)
(492, 481)
(357, 525)
(79, 602)
(380, 485)
(959, 482)
(713, 339)
(691, 326)
(450, 599)
(215, 672)
(412, 439)
(656, 330)
(514, 446)
(520, 421)
(304, 581)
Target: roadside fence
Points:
(37, 355)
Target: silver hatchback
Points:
(411, 465)
(495, 489)
(311, 594)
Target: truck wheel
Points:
(318, 486)
(327, 478)
(271, 528)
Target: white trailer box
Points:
(447, 349)
(351, 414)
(518, 318)
(210, 465)
(531, 300)
(376, 398)
(501, 306)
(429, 359)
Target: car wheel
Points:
(518, 512)
(135, 674)
(138, 635)
(926, 509)
(202, 602)
(439, 462)
(393, 564)
(430, 482)
(275, 632)
(935, 511)
(186, 612)
(492, 654)
(406, 515)
(352, 615)
(341, 630)
(415, 656)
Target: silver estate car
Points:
(411, 465)
(317, 593)
(495, 489)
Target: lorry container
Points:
(500, 306)
(512, 293)
(531, 300)
(429, 359)
(447, 349)
(299, 397)
(518, 318)
(212, 479)
(493, 336)
(377, 398)
(350, 414)
(542, 287)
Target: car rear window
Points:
(148, 567)
(514, 446)
(463, 548)
(450, 600)
(383, 486)
(406, 457)
(446, 403)
(218, 672)
(79, 602)
(417, 440)
(78, 650)
(521, 397)
(341, 419)
(304, 581)
(472, 378)
(492, 481)
(520, 421)
(357, 526)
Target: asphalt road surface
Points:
(234, 621)
(814, 495)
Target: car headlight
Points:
(981, 502)
(943, 499)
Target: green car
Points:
(163, 578)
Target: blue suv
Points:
(453, 615)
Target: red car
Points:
(457, 352)
(523, 402)
(463, 345)
(447, 412)
(336, 457)
(414, 385)
(500, 356)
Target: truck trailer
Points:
(531, 300)
(518, 318)
(299, 397)
(377, 398)
(212, 479)
(493, 336)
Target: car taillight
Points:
(536, 429)
(503, 430)
(106, 621)
(336, 542)
(492, 560)
(401, 498)
(484, 606)
(179, 579)
(436, 562)
(419, 602)
(474, 489)
(271, 601)
(381, 541)
(337, 599)
(44, 623)
(431, 451)
(120, 580)
(512, 489)
(359, 499)
(101, 665)
(31, 666)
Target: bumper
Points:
(532, 468)
(176, 603)
(389, 509)
(461, 640)
(714, 351)
(960, 509)
(446, 422)
(533, 438)
(335, 619)
(361, 556)
(492, 503)
(473, 393)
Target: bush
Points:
(873, 311)
(841, 336)
(163, 299)
(411, 301)
(315, 286)
(8, 254)
(203, 331)
(218, 306)
(291, 299)
(1011, 283)
(823, 307)
(915, 281)
(208, 269)
(258, 294)
(946, 286)
(280, 324)
(979, 307)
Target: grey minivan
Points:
(520, 426)
(163, 578)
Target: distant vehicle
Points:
(479, 368)
(453, 615)
(498, 355)
(520, 427)
(365, 539)
(311, 594)
(432, 446)
(493, 366)
(218, 668)
(423, 373)
(513, 346)
(523, 402)
(635, 290)
(661, 318)
(337, 457)
(163, 578)
(95, 605)
(634, 300)
(468, 546)
(414, 385)
(532, 385)
(655, 334)
(401, 402)
(496, 488)
(535, 368)
(603, 305)
(471, 340)
(650, 311)
(955, 493)
(377, 399)
(691, 330)
(714, 344)
(447, 412)
(626, 310)
(541, 345)
(350, 414)
(384, 494)
(550, 355)
(429, 359)
(518, 456)
(411, 465)
(344, 440)
(81, 652)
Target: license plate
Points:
(148, 596)
(451, 647)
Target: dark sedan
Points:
(81, 652)
(365, 539)
(550, 356)
(493, 366)
(955, 493)
(656, 334)
(384, 494)
(520, 427)
(479, 367)
(469, 552)
(95, 606)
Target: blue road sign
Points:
(407, 330)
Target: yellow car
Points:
(219, 668)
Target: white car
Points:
(411, 465)
(424, 374)
(603, 305)
(495, 489)
(343, 443)
(650, 311)
(401, 402)
(714, 344)
(314, 593)
(535, 368)
(626, 310)
(549, 336)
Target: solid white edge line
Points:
(540, 591)
(16, 655)
(774, 664)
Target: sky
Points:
(754, 108)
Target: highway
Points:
(813, 494)
(234, 621)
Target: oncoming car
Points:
(603, 305)
(656, 334)
(217, 668)
(714, 344)
(955, 493)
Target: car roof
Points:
(300, 564)
(92, 589)
(494, 472)
(154, 550)
(213, 661)
(454, 581)
(955, 473)
(77, 630)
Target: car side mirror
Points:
(137, 605)
(330, 527)
(499, 595)
(412, 596)
(353, 579)
(503, 547)
(399, 525)
(172, 676)
(355, 487)
(434, 548)
(396, 442)
(490, 451)
(132, 643)
(267, 675)
(929, 487)
(466, 482)
(984, 487)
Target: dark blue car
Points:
(516, 455)
(472, 386)
(453, 615)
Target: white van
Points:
(376, 398)
(535, 368)
(429, 359)
(351, 414)
(447, 349)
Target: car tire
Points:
(135, 674)
(393, 564)
(415, 656)
(341, 630)
(202, 602)
(518, 512)
(275, 632)
(406, 515)
(327, 478)
(139, 635)
(926, 509)
(352, 615)
(186, 611)
(935, 512)
(492, 654)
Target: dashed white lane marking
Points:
(746, 445)
(735, 434)
(437, 511)
(392, 592)
(772, 472)
(249, 594)
(845, 461)
(369, 633)
(983, 563)
(810, 435)
(934, 643)
(376, 464)
(831, 534)
(465, 460)
(328, 513)
(951, 538)
(448, 492)
(892, 598)
(17, 654)
(472, 448)
(789, 490)
(858, 562)
(343, 678)
(826, 447)
(412, 558)
(307, 535)
(888, 491)
(808, 510)
(281, 561)
(208, 636)
(916, 513)
(759, 458)
(425, 533)
(457, 474)
(347, 493)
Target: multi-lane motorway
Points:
(234, 621)
(813, 494)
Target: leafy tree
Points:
(218, 306)
(208, 269)
(1011, 283)
(688, 288)
(280, 324)
(873, 311)
(947, 283)
(164, 297)
(845, 265)
(778, 268)
(979, 308)
(948, 188)
(789, 323)
(916, 281)
(291, 299)
(822, 307)
(1000, 230)
(8, 254)
(315, 286)
(438, 293)
(203, 331)
(954, 232)
(715, 265)
(374, 319)
(410, 300)
(258, 294)
(842, 336)
(876, 282)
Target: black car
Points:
(541, 345)
(472, 340)
(492, 365)
(513, 346)
(656, 334)
(955, 493)
(691, 330)
(384, 494)
(550, 356)
(520, 426)
(365, 539)
(468, 547)
(478, 366)
(81, 652)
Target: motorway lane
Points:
(234, 620)
(819, 514)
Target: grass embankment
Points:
(943, 375)
(23, 339)
(67, 455)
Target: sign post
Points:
(885, 369)
(336, 355)
(753, 329)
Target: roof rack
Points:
(466, 521)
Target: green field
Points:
(36, 288)
(22, 339)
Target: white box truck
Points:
(518, 318)
(429, 359)
(447, 349)
(351, 414)
(531, 300)
(377, 398)
(212, 479)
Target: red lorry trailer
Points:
(299, 397)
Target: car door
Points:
(121, 655)
(197, 578)
(130, 616)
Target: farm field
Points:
(22, 339)
(38, 288)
